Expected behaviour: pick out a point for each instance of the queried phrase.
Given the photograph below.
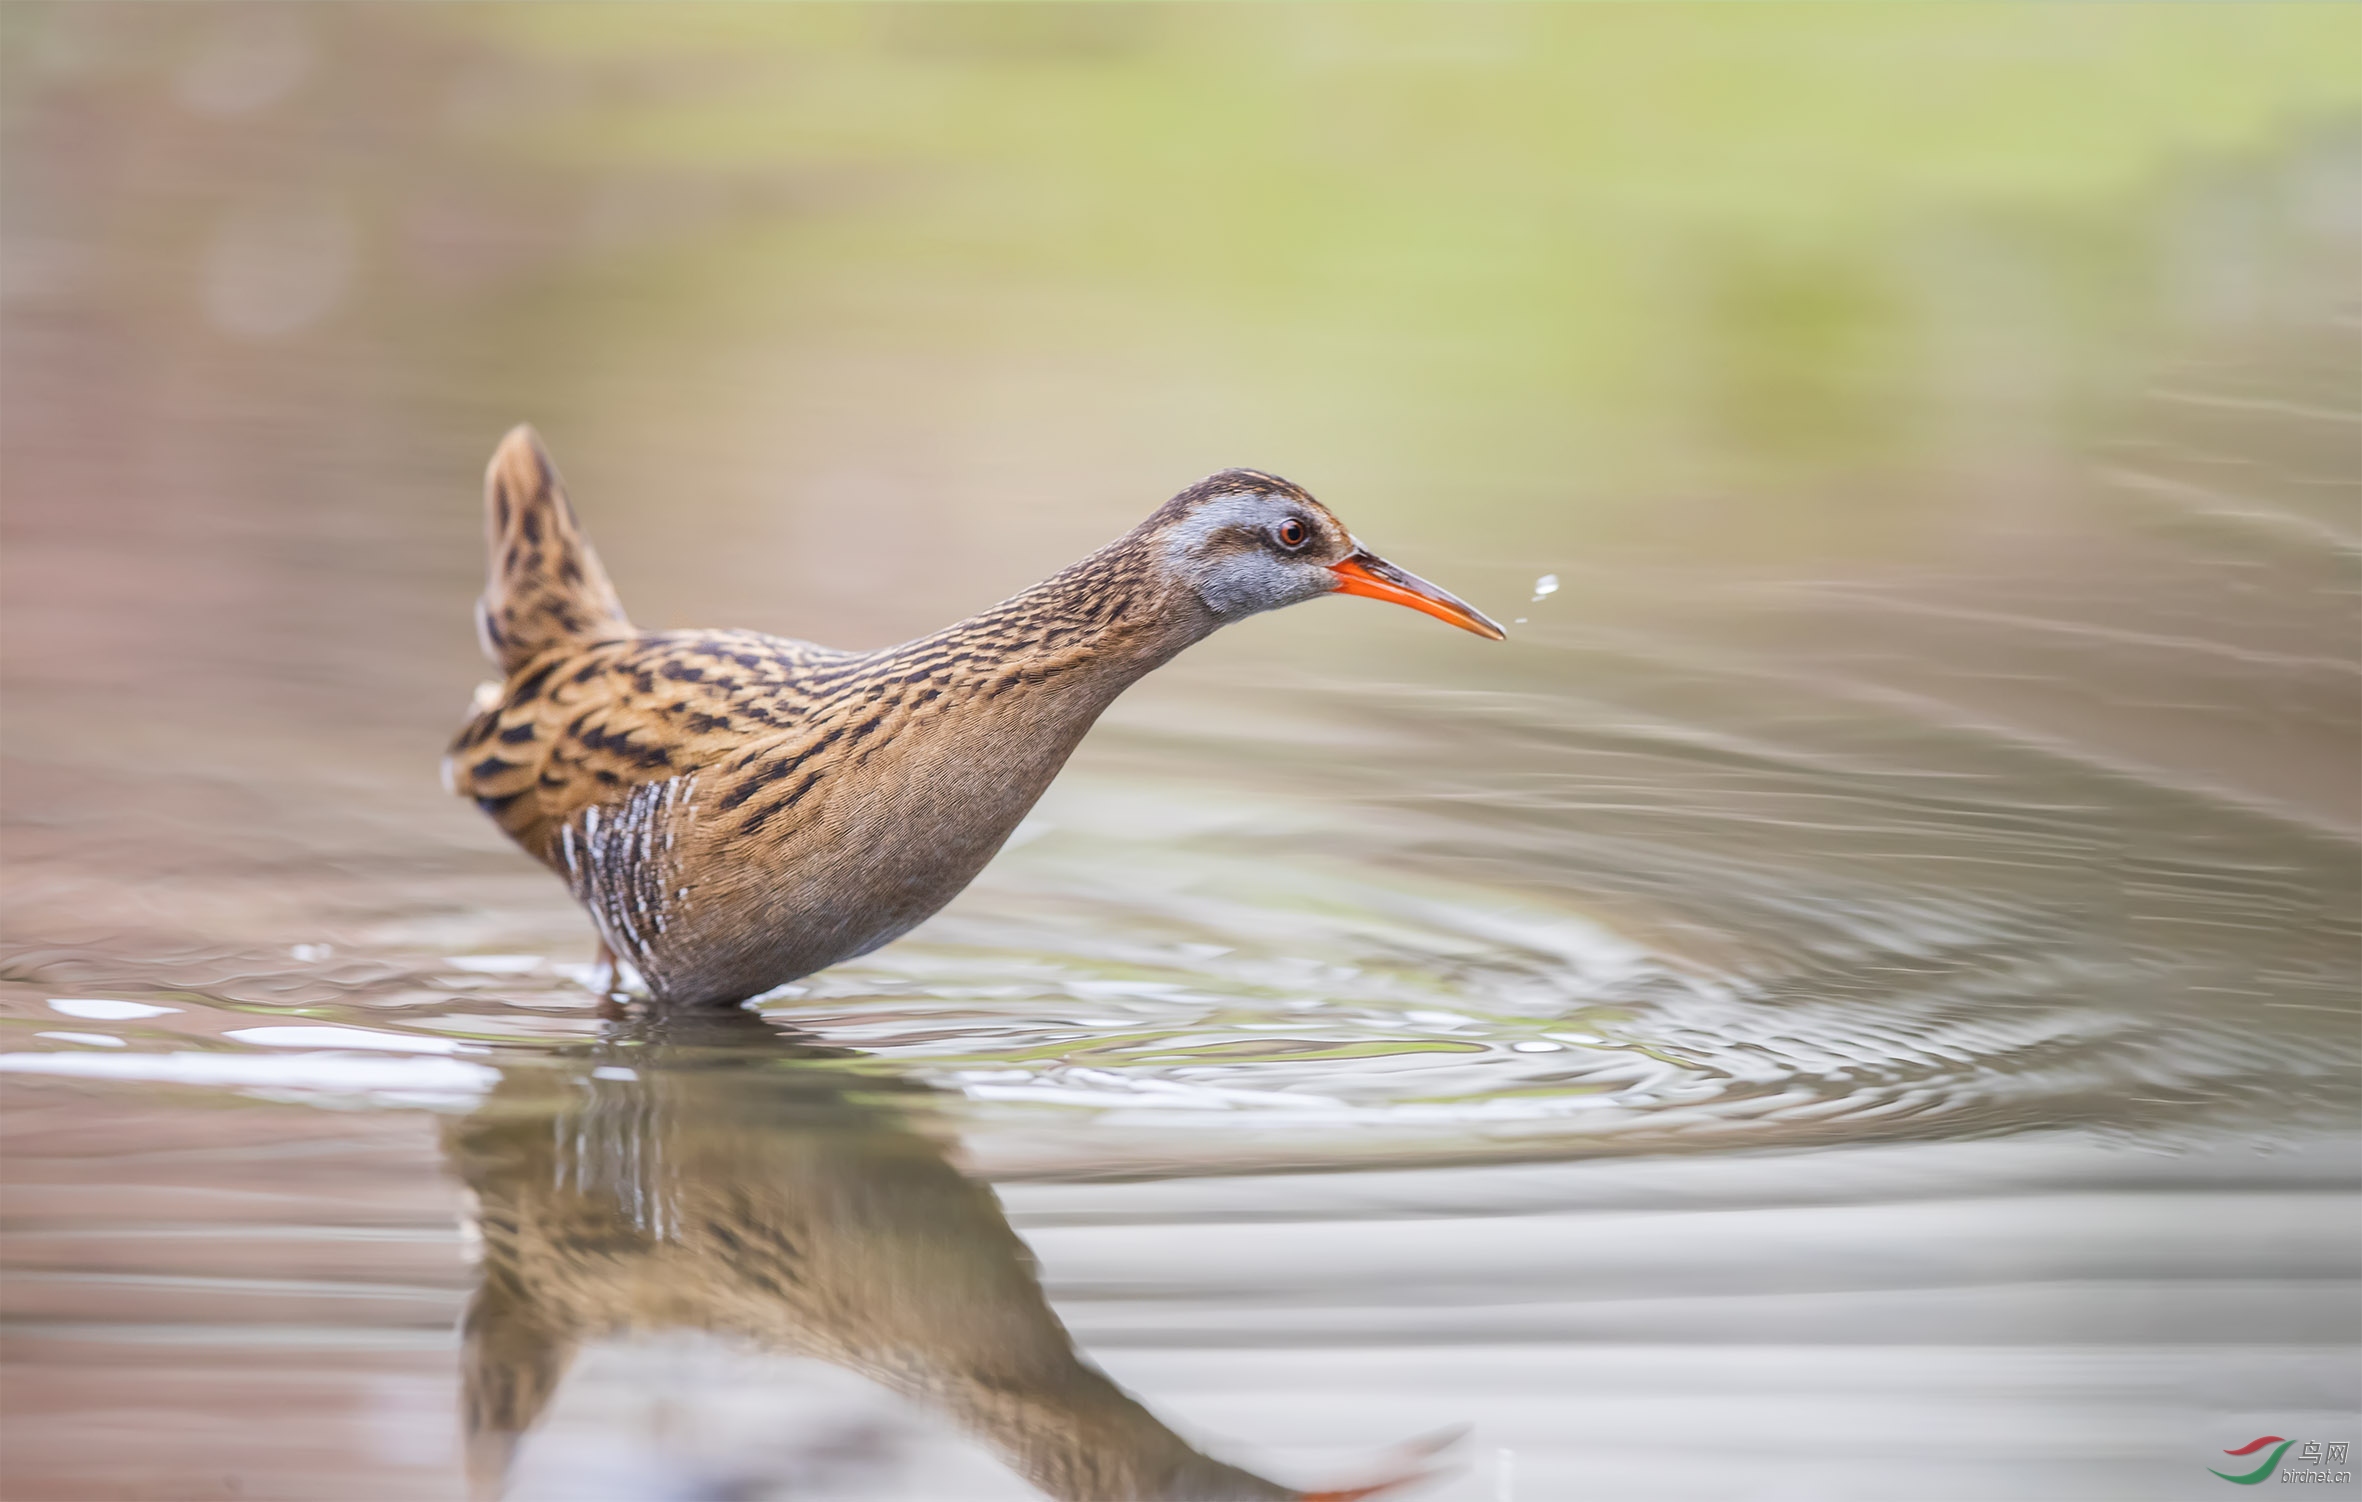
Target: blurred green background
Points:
(1605, 263)
(1614, 246)
(845, 321)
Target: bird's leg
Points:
(605, 976)
(607, 982)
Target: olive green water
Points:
(1856, 999)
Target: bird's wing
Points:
(579, 729)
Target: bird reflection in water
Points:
(711, 1173)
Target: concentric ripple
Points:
(1214, 979)
(1214, 989)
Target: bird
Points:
(736, 811)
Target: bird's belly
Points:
(859, 866)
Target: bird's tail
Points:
(546, 588)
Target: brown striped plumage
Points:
(737, 810)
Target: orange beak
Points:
(1365, 573)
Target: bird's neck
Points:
(1083, 635)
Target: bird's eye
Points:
(1293, 533)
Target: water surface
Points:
(1857, 998)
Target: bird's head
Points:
(1243, 541)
